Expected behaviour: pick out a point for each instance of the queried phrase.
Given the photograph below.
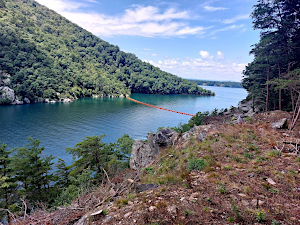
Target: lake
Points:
(62, 125)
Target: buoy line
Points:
(153, 106)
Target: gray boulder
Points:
(26, 100)
(281, 124)
(141, 155)
(145, 187)
(163, 137)
(7, 93)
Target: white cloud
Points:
(154, 54)
(236, 18)
(220, 55)
(232, 27)
(60, 6)
(203, 68)
(211, 8)
(204, 54)
(142, 21)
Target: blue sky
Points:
(203, 39)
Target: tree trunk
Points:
(268, 88)
(279, 75)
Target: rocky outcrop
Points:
(247, 108)
(7, 93)
(281, 124)
(143, 153)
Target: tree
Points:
(91, 153)
(7, 184)
(32, 171)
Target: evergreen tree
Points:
(33, 172)
(7, 184)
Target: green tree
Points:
(33, 172)
(91, 153)
(7, 184)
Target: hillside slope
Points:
(242, 173)
(47, 56)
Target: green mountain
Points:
(45, 56)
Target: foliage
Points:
(197, 164)
(272, 78)
(48, 56)
(231, 84)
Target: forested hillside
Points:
(48, 56)
(273, 78)
(232, 84)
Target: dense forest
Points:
(231, 84)
(47, 56)
(273, 77)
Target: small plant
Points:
(252, 147)
(274, 153)
(222, 189)
(122, 202)
(260, 216)
(235, 211)
(150, 170)
(197, 164)
(105, 212)
(275, 222)
(230, 219)
(226, 167)
(248, 155)
(188, 212)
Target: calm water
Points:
(61, 125)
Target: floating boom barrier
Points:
(153, 106)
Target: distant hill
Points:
(231, 84)
(47, 56)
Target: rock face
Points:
(281, 124)
(7, 93)
(247, 108)
(141, 155)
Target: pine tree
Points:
(32, 171)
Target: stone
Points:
(281, 124)
(242, 195)
(152, 208)
(173, 210)
(203, 131)
(163, 137)
(238, 119)
(17, 102)
(7, 93)
(108, 218)
(270, 181)
(26, 100)
(145, 187)
(127, 214)
(141, 155)
(153, 145)
(97, 215)
(67, 100)
(245, 203)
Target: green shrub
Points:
(197, 164)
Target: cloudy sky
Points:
(201, 39)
